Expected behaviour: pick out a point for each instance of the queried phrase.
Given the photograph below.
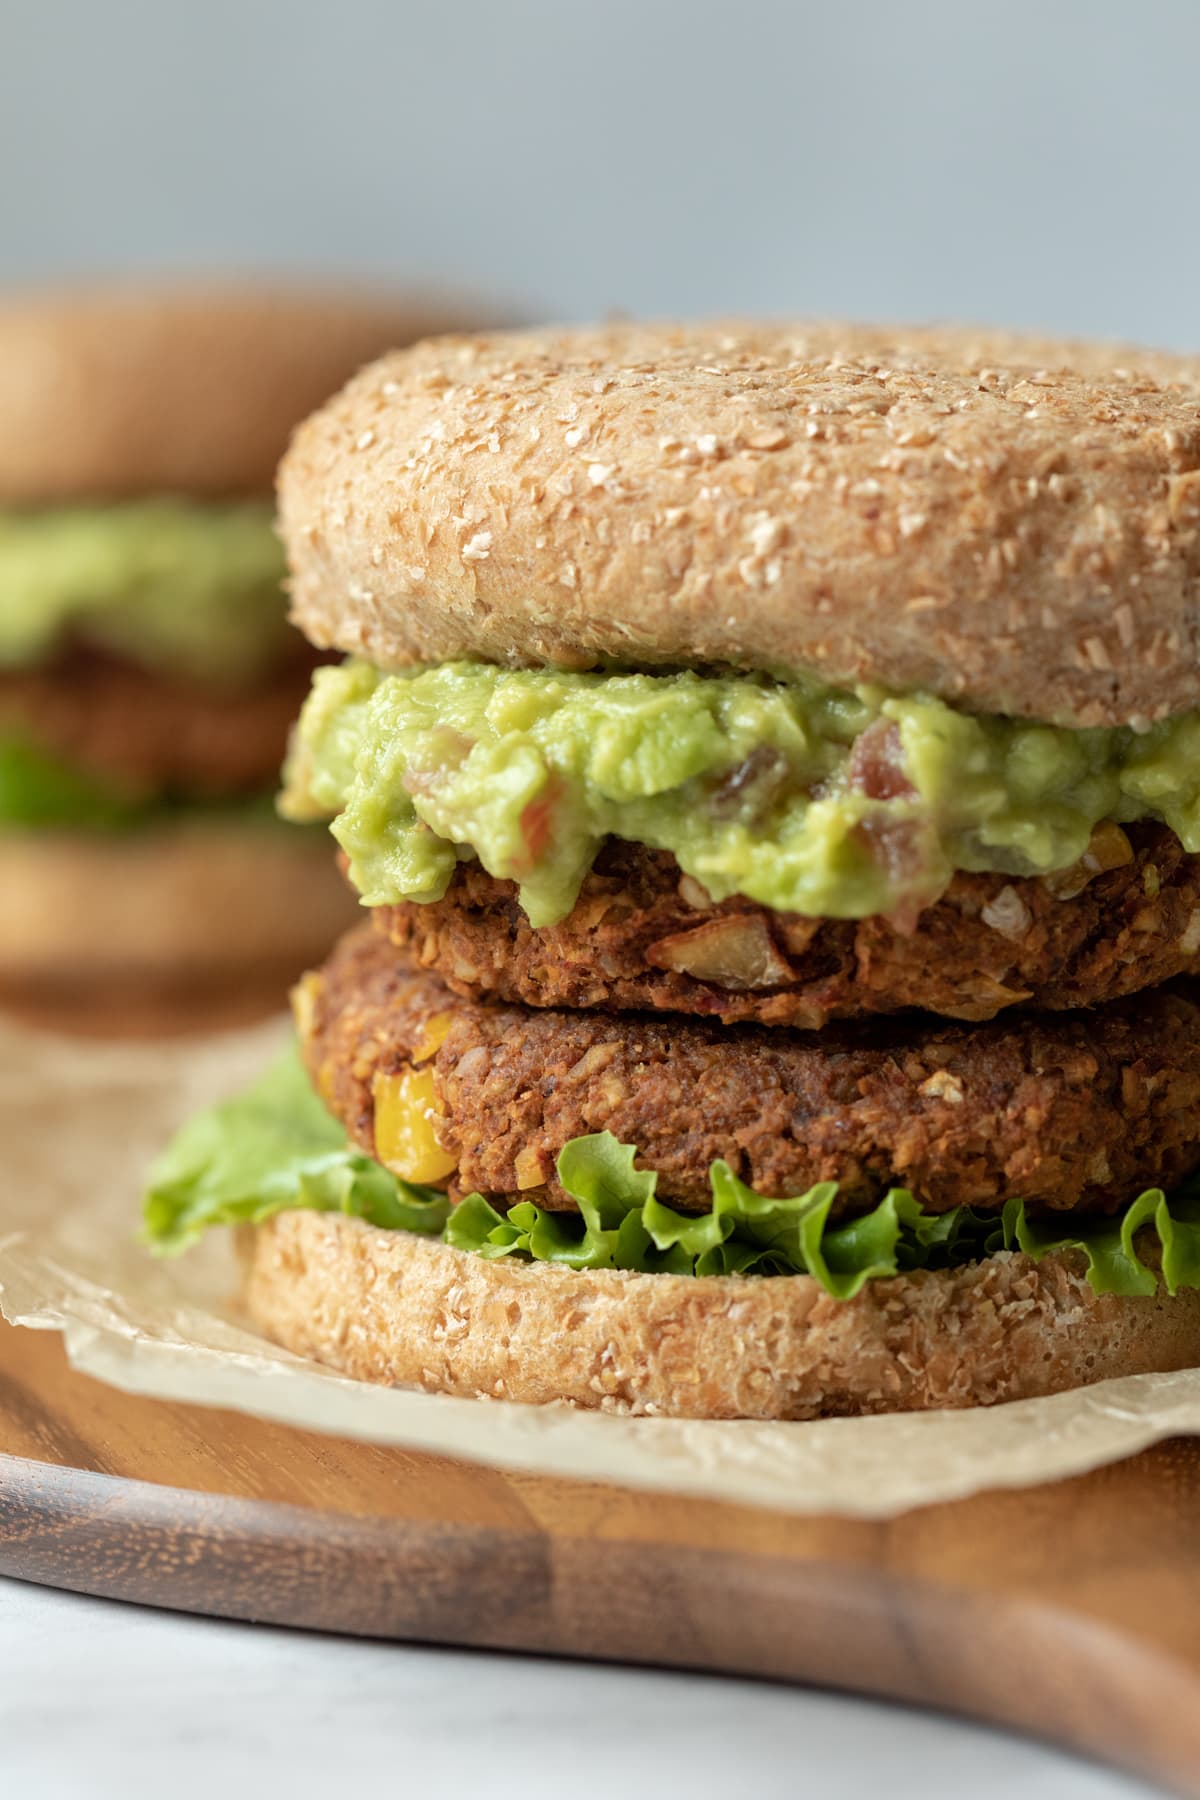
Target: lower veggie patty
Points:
(643, 936)
(1072, 1113)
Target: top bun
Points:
(1011, 523)
(109, 393)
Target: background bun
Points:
(1011, 523)
(388, 1306)
(107, 393)
(187, 903)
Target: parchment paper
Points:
(79, 1123)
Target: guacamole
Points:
(809, 799)
(174, 585)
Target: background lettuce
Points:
(39, 791)
(276, 1147)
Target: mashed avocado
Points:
(809, 799)
(187, 588)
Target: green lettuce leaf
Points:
(276, 1147)
(270, 1149)
(1114, 1266)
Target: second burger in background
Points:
(147, 671)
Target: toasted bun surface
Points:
(390, 1307)
(1012, 524)
(108, 393)
(182, 903)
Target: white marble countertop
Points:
(100, 1701)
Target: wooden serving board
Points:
(1070, 1611)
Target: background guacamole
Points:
(174, 585)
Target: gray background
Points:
(1030, 162)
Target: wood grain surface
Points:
(1070, 1611)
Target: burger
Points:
(769, 760)
(148, 674)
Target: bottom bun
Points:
(199, 899)
(391, 1307)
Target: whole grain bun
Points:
(390, 1307)
(112, 392)
(186, 903)
(1013, 524)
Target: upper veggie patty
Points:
(642, 935)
